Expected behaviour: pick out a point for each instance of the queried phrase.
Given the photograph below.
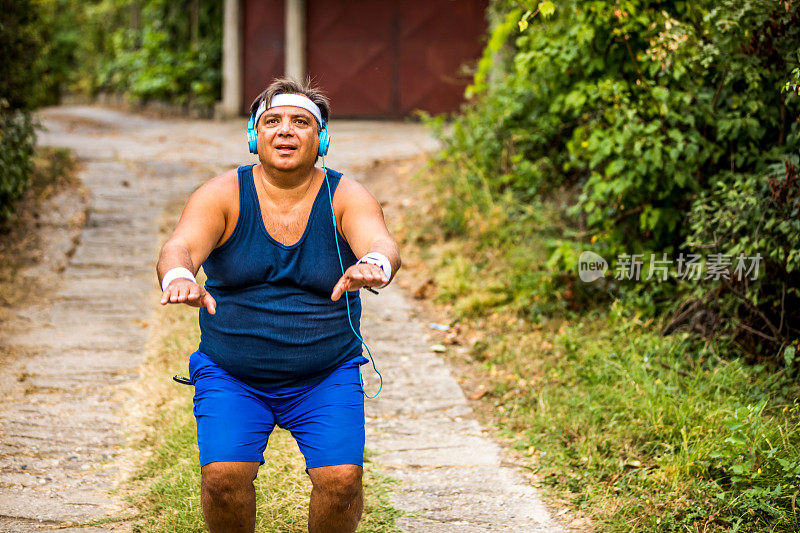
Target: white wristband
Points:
(378, 259)
(175, 273)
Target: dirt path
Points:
(60, 419)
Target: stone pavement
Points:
(60, 419)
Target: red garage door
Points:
(387, 58)
(263, 46)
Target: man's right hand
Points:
(185, 291)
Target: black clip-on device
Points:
(182, 379)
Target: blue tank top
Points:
(275, 324)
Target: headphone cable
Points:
(346, 297)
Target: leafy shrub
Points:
(640, 110)
(147, 50)
(20, 91)
(17, 140)
(755, 216)
(639, 103)
(171, 56)
(20, 42)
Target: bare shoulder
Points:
(223, 185)
(221, 191)
(351, 192)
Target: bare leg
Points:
(337, 499)
(228, 497)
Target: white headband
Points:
(289, 99)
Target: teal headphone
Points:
(252, 137)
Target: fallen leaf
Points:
(478, 394)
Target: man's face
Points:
(287, 138)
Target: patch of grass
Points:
(648, 434)
(166, 488)
(634, 430)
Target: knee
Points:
(221, 484)
(342, 485)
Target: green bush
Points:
(72, 42)
(20, 50)
(20, 91)
(17, 140)
(755, 215)
(171, 55)
(639, 103)
(638, 110)
(146, 50)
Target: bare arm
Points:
(364, 228)
(200, 228)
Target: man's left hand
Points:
(357, 277)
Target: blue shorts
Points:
(234, 420)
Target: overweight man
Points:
(285, 246)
